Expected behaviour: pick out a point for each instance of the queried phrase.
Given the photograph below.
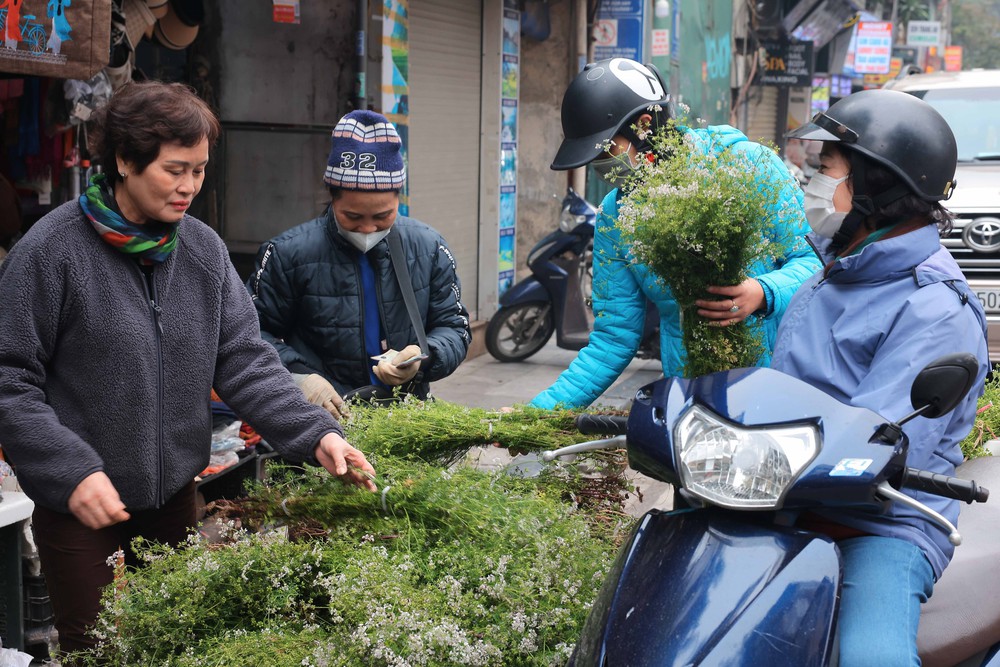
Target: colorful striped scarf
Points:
(151, 242)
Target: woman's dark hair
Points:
(879, 178)
(141, 117)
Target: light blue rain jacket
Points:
(621, 286)
(864, 332)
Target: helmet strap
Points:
(863, 205)
(629, 133)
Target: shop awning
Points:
(817, 21)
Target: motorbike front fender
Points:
(705, 587)
(526, 291)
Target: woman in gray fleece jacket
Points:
(120, 314)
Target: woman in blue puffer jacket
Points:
(603, 107)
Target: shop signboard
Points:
(661, 42)
(873, 47)
(788, 63)
(923, 33)
(820, 93)
(619, 29)
(952, 58)
(509, 104)
(287, 11)
(840, 86)
(879, 80)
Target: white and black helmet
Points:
(600, 103)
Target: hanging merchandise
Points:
(130, 21)
(66, 39)
(157, 7)
(83, 98)
(179, 26)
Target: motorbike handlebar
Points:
(965, 490)
(601, 424)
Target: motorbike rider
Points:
(889, 300)
(617, 103)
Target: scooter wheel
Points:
(517, 332)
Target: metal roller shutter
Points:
(445, 96)
(762, 114)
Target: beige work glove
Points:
(320, 392)
(389, 373)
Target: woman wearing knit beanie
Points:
(331, 298)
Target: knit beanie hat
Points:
(365, 154)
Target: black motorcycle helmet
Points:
(601, 102)
(898, 131)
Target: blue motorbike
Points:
(556, 296)
(726, 578)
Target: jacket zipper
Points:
(149, 280)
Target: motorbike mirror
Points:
(942, 384)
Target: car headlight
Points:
(737, 467)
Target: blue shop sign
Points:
(619, 29)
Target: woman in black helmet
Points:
(889, 300)
(613, 104)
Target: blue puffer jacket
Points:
(307, 290)
(621, 286)
(864, 332)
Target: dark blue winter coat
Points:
(307, 289)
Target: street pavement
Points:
(484, 382)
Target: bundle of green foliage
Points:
(439, 430)
(987, 424)
(442, 567)
(697, 217)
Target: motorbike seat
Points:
(962, 617)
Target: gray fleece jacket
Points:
(100, 372)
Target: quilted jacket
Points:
(307, 290)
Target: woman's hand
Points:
(96, 504)
(737, 303)
(341, 459)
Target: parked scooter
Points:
(556, 296)
(726, 578)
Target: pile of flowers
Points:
(446, 565)
(697, 215)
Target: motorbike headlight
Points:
(737, 467)
(568, 221)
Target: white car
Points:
(970, 102)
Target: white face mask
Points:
(824, 219)
(361, 241)
(615, 169)
(364, 242)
